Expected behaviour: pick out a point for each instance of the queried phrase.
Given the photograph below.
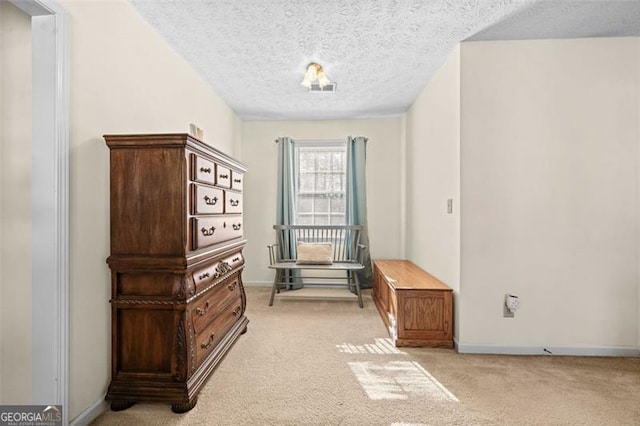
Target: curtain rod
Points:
(316, 140)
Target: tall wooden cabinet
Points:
(177, 298)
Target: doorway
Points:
(46, 211)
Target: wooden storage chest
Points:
(416, 307)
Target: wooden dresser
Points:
(415, 306)
(177, 298)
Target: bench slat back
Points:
(345, 238)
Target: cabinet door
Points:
(424, 314)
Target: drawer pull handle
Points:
(234, 203)
(235, 259)
(236, 311)
(223, 268)
(232, 286)
(224, 176)
(202, 311)
(205, 169)
(208, 232)
(236, 227)
(237, 180)
(210, 201)
(203, 276)
(209, 342)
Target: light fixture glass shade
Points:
(322, 79)
(314, 73)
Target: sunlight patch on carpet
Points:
(380, 347)
(398, 380)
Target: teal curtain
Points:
(285, 207)
(356, 208)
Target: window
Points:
(321, 182)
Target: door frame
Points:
(49, 203)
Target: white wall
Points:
(638, 70)
(124, 79)
(549, 187)
(433, 170)
(383, 183)
(2, 125)
(15, 205)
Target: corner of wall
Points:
(237, 136)
(457, 58)
(432, 169)
(638, 175)
(403, 187)
(92, 412)
(1, 157)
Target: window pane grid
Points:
(320, 184)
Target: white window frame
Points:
(332, 145)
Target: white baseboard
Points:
(617, 351)
(90, 414)
(257, 283)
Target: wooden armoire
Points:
(177, 298)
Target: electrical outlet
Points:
(450, 205)
(510, 306)
(506, 313)
(512, 302)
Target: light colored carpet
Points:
(328, 362)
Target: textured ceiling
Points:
(381, 53)
(568, 19)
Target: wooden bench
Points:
(346, 256)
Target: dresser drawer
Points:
(235, 226)
(234, 261)
(202, 170)
(213, 230)
(206, 200)
(208, 339)
(223, 176)
(213, 302)
(236, 182)
(233, 202)
(205, 276)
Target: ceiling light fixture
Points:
(314, 73)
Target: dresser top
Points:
(404, 274)
(169, 140)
